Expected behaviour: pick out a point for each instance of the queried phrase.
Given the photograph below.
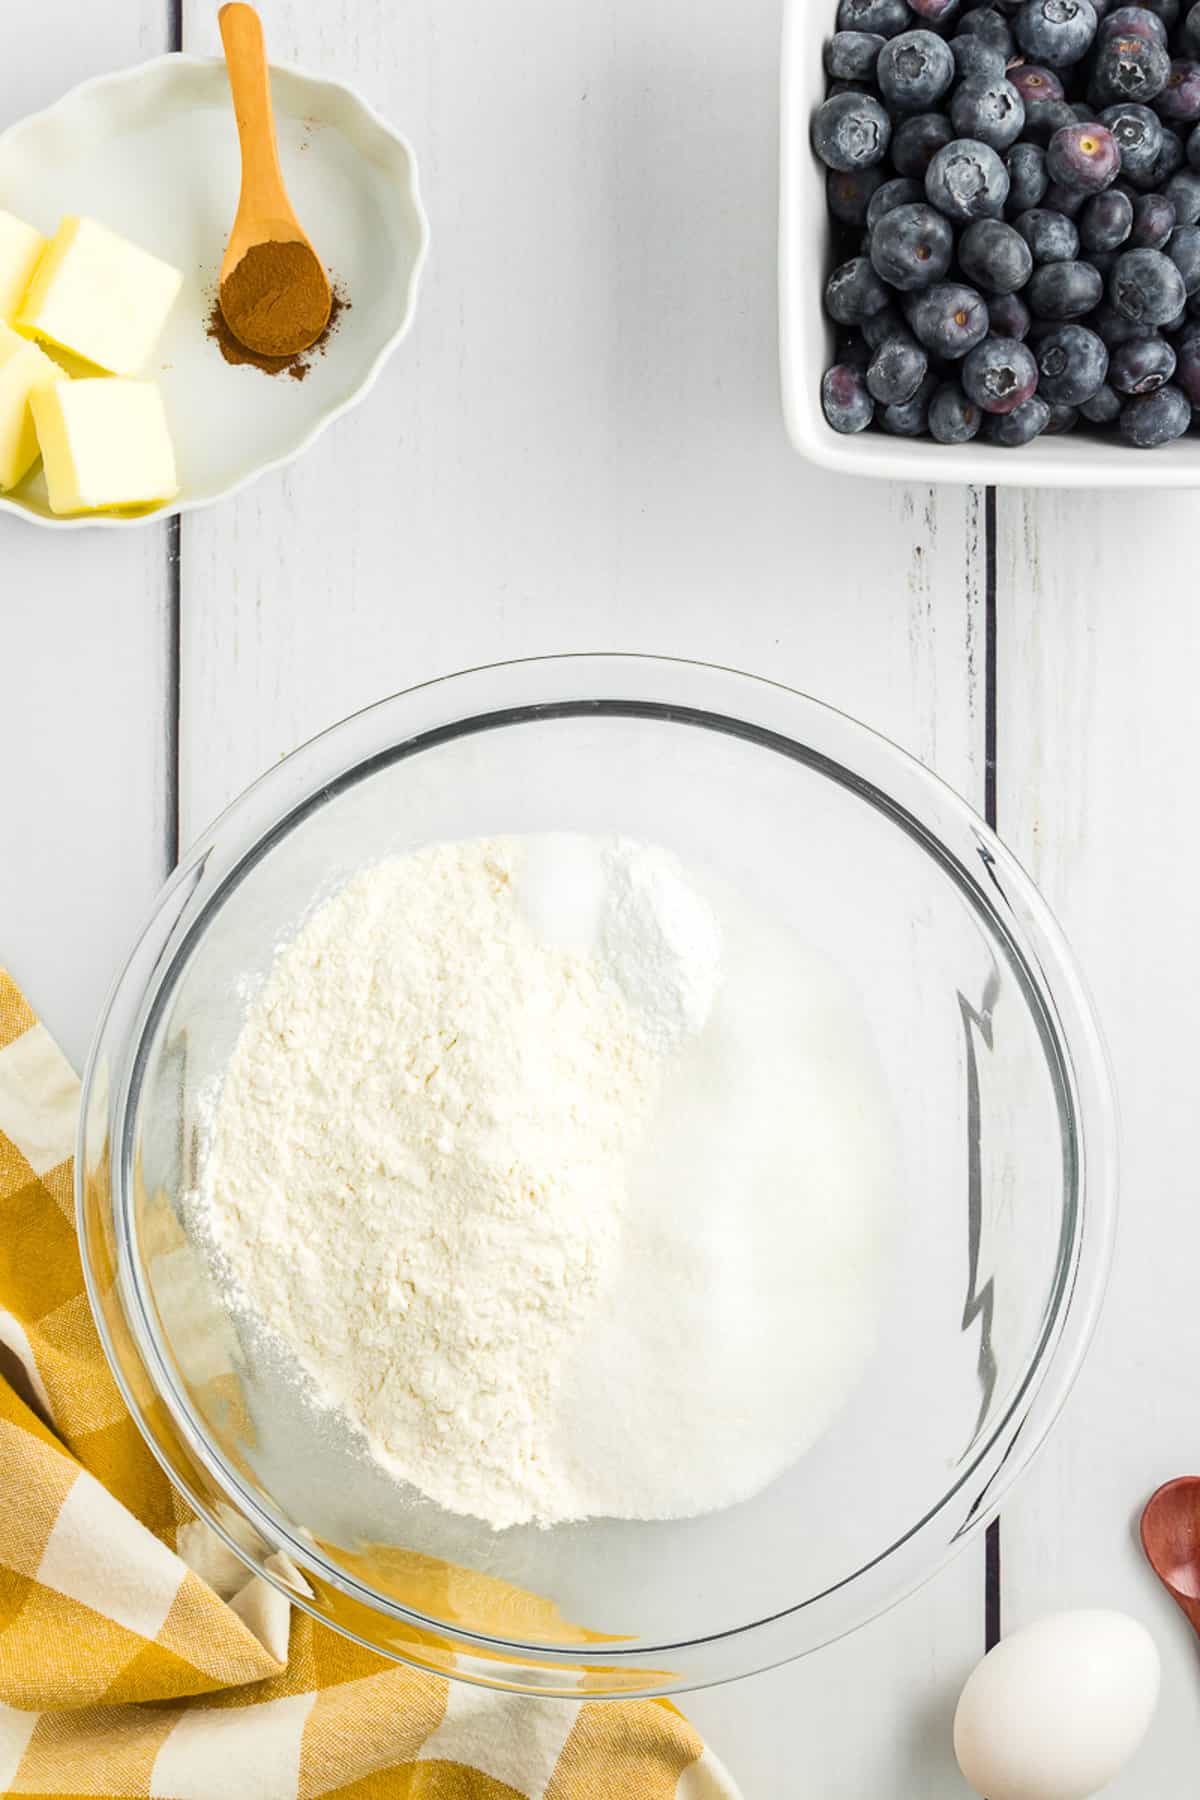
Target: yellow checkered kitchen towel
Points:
(138, 1656)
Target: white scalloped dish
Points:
(152, 152)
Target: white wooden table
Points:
(580, 447)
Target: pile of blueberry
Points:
(1015, 186)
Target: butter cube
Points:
(104, 444)
(20, 248)
(22, 369)
(100, 297)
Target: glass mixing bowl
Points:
(1004, 1124)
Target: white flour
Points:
(500, 1164)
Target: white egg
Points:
(1055, 1710)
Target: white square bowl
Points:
(806, 338)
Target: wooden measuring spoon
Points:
(274, 292)
(1171, 1540)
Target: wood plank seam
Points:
(174, 589)
(171, 699)
(991, 1549)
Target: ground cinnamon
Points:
(276, 299)
(295, 366)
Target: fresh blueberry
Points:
(1064, 290)
(1153, 222)
(844, 399)
(1191, 31)
(1072, 364)
(993, 112)
(994, 256)
(988, 25)
(849, 193)
(1156, 419)
(1068, 201)
(918, 140)
(1012, 431)
(1115, 328)
(854, 291)
(953, 419)
(999, 375)
(914, 70)
(1027, 177)
(851, 131)
(911, 417)
(885, 199)
(884, 17)
(1105, 222)
(1146, 287)
(1193, 147)
(1134, 21)
(1085, 158)
(912, 247)
(1128, 68)
(967, 180)
(1044, 117)
(1057, 32)
(938, 12)
(898, 368)
(1180, 99)
(1009, 316)
(1184, 252)
(1166, 10)
(885, 324)
(1183, 191)
(1139, 136)
(1062, 419)
(1187, 372)
(852, 55)
(975, 60)
(1171, 157)
(1142, 366)
(1034, 83)
(949, 319)
(1104, 407)
(1051, 237)
(854, 351)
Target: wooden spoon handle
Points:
(250, 83)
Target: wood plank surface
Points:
(580, 447)
(1099, 641)
(85, 664)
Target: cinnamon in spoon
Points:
(276, 301)
(275, 295)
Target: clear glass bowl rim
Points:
(912, 797)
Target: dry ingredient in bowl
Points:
(520, 1163)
